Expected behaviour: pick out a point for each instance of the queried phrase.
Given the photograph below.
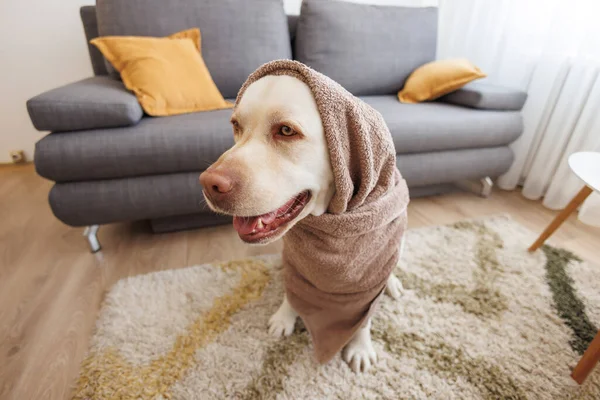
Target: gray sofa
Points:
(110, 162)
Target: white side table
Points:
(586, 165)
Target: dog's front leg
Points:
(283, 321)
(393, 287)
(359, 353)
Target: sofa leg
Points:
(486, 186)
(90, 234)
(482, 188)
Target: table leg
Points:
(560, 218)
(588, 361)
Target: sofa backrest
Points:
(237, 35)
(90, 27)
(368, 49)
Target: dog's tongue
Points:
(247, 225)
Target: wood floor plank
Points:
(57, 337)
(51, 287)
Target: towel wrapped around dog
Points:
(336, 265)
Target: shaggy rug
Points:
(480, 318)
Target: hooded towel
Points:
(336, 265)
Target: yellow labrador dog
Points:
(277, 173)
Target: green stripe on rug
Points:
(449, 362)
(278, 359)
(483, 300)
(570, 308)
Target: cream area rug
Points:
(480, 318)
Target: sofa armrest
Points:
(98, 102)
(484, 96)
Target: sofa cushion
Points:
(485, 96)
(189, 142)
(237, 35)
(425, 127)
(128, 199)
(368, 49)
(423, 169)
(98, 102)
(192, 142)
(148, 197)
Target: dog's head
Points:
(278, 171)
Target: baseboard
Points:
(15, 165)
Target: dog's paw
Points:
(394, 288)
(360, 355)
(282, 323)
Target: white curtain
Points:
(551, 49)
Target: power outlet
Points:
(17, 156)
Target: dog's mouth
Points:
(261, 228)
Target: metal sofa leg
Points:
(90, 234)
(483, 187)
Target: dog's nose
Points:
(216, 183)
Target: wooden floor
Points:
(51, 287)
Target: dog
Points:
(277, 173)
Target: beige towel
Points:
(337, 264)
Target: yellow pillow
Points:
(167, 75)
(437, 78)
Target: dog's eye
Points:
(286, 131)
(236, 127)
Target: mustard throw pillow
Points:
(437, 78)
(167, 75)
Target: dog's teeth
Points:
(259, 224)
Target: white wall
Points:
(42, 46)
